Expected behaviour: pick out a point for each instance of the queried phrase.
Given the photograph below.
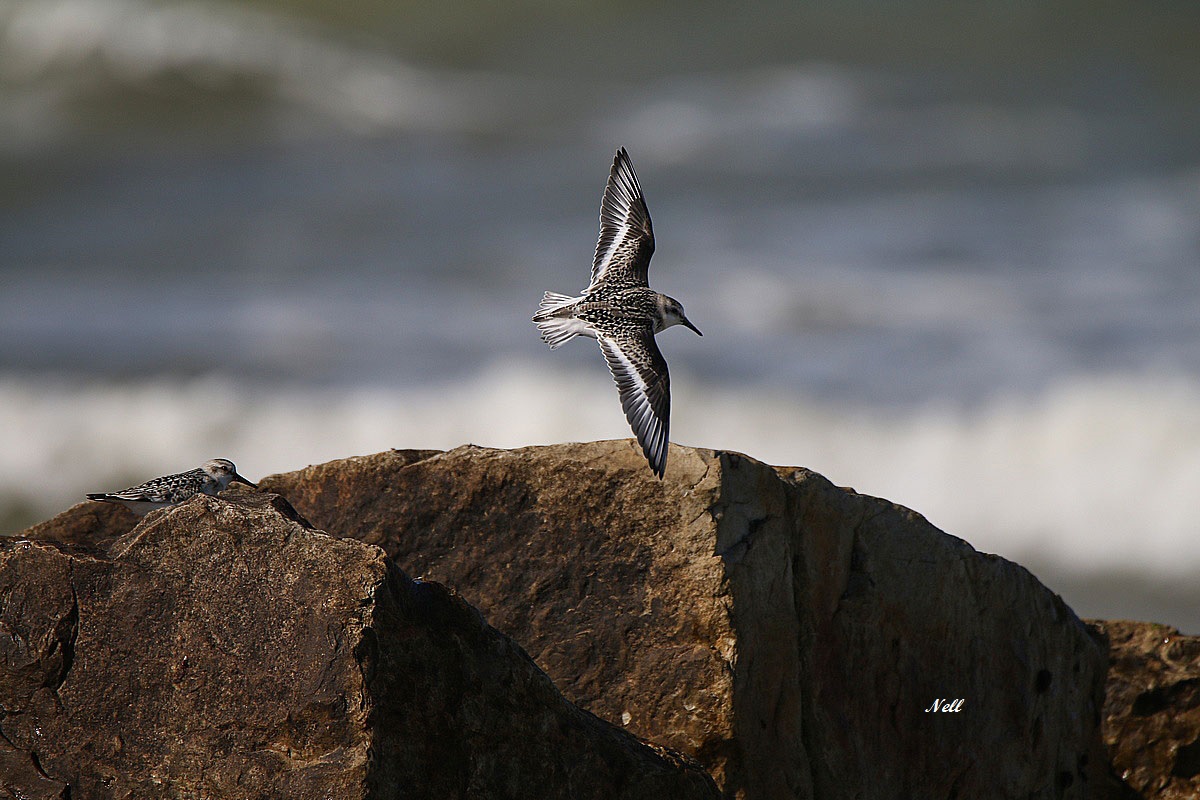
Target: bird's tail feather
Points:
(551, 302)
(554, 320)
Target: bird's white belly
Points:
(142, 507)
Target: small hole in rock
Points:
(1187, 760)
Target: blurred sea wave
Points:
(958, 268)
(1040, 478)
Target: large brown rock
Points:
(1151, 720)
(222, 649)
(791, 635)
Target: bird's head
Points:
(671, 313)
(223, 471)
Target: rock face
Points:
(222, 649)
(90, 526)
(1151, 720)
(790, 635)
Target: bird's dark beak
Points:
(240, 479)
(685, 321)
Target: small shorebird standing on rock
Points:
(209, 478)
(620, 311)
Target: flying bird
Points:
(620, 311)
(209, 478)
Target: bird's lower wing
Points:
(640, 372)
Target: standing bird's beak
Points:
(684, 321)
(240, 479)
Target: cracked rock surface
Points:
(1151, 720)
(788, 634)
(224, 649)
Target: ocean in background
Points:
(945, 255)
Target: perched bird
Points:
(620, 311)
(209, 478)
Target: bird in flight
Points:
(620, 311)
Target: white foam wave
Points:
(1095, 474)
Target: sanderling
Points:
(620, 311)
(209, 478)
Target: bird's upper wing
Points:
(640, 372)
(168, 489)
(626, 238)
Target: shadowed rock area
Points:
(1152, 709)
(790, 635)
(223, 649)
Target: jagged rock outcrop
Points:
(791, 635)
(89, 526)
(222, 649)
(1151, 722)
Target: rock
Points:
(222, 649)
(89, 525)
(790, 635)
(1151, 722)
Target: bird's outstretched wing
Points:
(640, 372)
(626, 237)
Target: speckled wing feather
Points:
(168, 489)
(626, 238)
(640, 372)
